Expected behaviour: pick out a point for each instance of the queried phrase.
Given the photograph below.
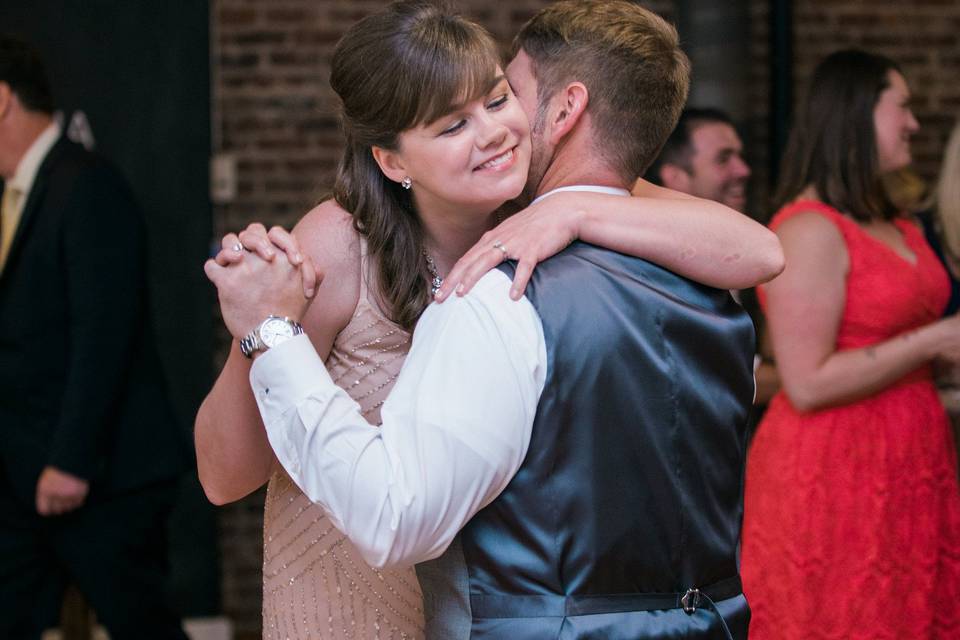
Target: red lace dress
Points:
(852, 514)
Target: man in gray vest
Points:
(567, 465)
(704, 158)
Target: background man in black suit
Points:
(89, 451)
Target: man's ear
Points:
(390, 163)
(675, 177)
(566, 109)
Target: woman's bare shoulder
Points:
(811, 225)
(327, 235)
(814, 245)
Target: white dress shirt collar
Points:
(29, 165)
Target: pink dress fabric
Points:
(852, 513)
(315, 583)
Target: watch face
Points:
(274, 331)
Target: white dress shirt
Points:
(455, 427)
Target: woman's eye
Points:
(499, 102)
(459, 124)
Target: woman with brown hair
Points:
(435, 143)
(852, 510)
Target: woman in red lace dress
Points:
(852, 509)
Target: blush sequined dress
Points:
(315, 583)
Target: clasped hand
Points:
(259, 273)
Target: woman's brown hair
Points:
(833, 144)
(401, 67)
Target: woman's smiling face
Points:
(894, 124)
(476, 156)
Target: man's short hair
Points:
(630, 60)
(22, 68)
(678, 149)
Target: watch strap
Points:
(250, 343)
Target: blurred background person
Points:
(941, 226)
(941, 219)
(90, 454)
(852, 509)
(704, 157)
(907, 190)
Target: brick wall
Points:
(273, 111)
(919, 34)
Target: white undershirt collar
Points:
(614, 191)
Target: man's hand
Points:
(253, 288)
(59, 492)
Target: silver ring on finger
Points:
(238, 247)
(503, 249)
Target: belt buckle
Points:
(690, 601)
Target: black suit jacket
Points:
(80, 383)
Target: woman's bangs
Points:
(457, 75)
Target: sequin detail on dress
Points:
(315, 583)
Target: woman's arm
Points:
(765, 373)
(804, 308)
(699, 239)
(234, 457)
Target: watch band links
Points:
(252, 343)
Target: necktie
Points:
(8, 221)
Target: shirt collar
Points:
(26, 172)
(615, 191)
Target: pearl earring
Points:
(406, 183)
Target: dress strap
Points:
(853, 234)
(367, 275)
(364, 270)
(913, 231)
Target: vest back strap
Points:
(539, 606)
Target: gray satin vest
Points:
(631, 491)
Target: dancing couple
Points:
(559, 450)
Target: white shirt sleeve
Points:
(455, 427)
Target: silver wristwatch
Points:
(269, 333)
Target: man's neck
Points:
(20, 132)
(587, 169)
